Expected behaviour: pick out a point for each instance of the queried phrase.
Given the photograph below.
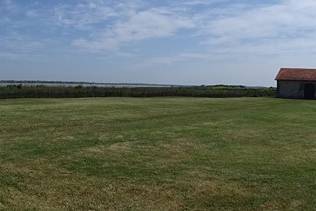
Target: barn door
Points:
(309, 91)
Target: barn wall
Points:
(292, 89)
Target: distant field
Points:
(158, 154)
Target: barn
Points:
(296, 83)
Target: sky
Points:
(156, 41)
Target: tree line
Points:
(20, 91)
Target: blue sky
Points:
(156, 41)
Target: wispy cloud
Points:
(277, 27)
(84, 13)
(232, 27)
(179, 31)
(140, 25)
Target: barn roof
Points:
(296, 74)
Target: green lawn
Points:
(158, 154)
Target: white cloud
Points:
(197, 2)
(84, 13)
(240, 32)
(277, 27)
(229, 29)
(152, 23)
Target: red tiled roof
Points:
(296, 74)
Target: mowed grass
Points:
(158, 154)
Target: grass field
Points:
(158, 154)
